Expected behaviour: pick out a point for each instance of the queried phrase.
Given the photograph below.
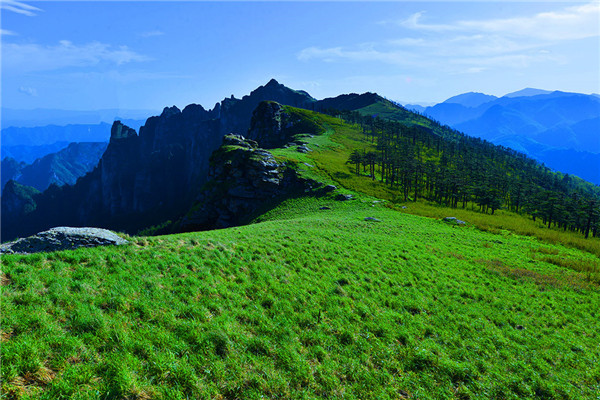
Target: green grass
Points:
(308, 303)
(333, 150)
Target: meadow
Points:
(311, 300)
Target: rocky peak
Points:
(272, 83)
(120, 131)
(170, 111)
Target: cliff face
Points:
(274, 125)
(242, 179)
(142, 180)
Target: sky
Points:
(87, 55)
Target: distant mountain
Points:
(527, 92)
(42, 116)
(544, 125)
(415, 107)
(28, 154)
(49, 134)
(471, 99)
(61, 168)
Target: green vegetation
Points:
(309, 303)
(313, 301)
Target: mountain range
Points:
(61, 168)
(560, 129)
(170, 171)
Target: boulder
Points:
(344, 197)
(62, 238)
(372, 219)
(454, 221)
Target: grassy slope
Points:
(308, 303)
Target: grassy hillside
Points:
(311, 303)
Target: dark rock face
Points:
(62, 238)
(274, 125)
(147, 178)
(243, 177)
(235, 114)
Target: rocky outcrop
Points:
(235, 114)
(62, 238)
(147, 178)
(243, 178)
(274, 125)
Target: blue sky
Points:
(147, 55)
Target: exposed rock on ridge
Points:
(63, 238)
(243, 178)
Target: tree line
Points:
(440, 164)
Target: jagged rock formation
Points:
(146, 179)
(62, 238)
(243, 178)
(274, 125)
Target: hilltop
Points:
(313, 299)
(324, 278)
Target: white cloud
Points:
(576, 22)
(35, 57)
(479, 45)
(152, 33)
(6, 32)
(29, 91)
(20, 7)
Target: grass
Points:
(308, 303)
(311, 303)
(334, 148)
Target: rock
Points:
(344, 197)
(303, 149)
(63, 238)
(325, 208)
(243, 178)
(329, 188)
(519, 327)
(404, 207)
(308, 165)
(372, 219)
(454, 220)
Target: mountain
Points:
(157, 176)
(541, 124)
(28, 154)
(60, 168)
(42, 116)
(144, 179)
(335, 287)
(527, 92)
(471, 99)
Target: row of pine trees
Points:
(442, 165)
